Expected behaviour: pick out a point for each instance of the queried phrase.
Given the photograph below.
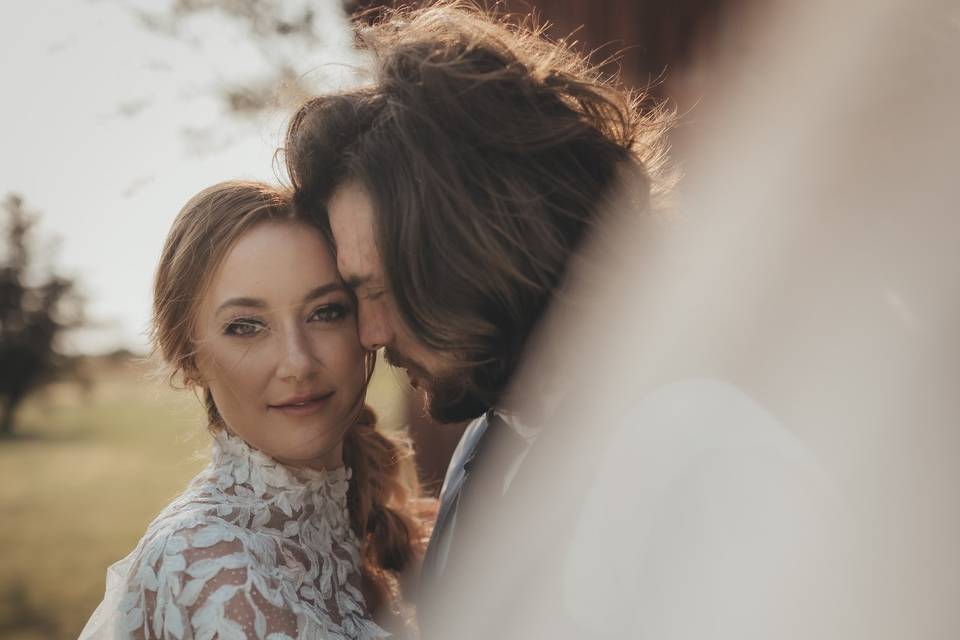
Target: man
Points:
(802, 282)
(457, 188)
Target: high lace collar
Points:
(236, 463)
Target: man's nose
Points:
(374, 327)
(297, 360)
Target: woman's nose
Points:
(297, 360)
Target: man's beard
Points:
(449, 398)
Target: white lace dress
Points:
(252, 549)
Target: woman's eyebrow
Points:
(242, 302)
(354, 282)
(324, 289)
(259, 303)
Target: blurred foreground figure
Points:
(760, 435)
(738, 422)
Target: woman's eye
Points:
(243, 328)
(330, 312)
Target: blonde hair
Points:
(379, 500)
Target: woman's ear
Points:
(191, 374)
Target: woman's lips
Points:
(307, 406)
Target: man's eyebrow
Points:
(355, 282)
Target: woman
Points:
(300, 525)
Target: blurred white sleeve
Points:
(709, 520)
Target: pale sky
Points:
(108, 128)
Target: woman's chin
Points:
(311, 454)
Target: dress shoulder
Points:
(203, 578)
(251, 549)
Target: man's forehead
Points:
(350, 211)
(352, 225)
(358, 265)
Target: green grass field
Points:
(84, 475)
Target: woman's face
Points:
(277, 345)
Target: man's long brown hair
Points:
(488, 153)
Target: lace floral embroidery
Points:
(252, 549)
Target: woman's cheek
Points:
(261, 352)
(346, 357)
(245, 366)
(339, 345)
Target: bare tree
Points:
(34, 313)
(270, 24)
